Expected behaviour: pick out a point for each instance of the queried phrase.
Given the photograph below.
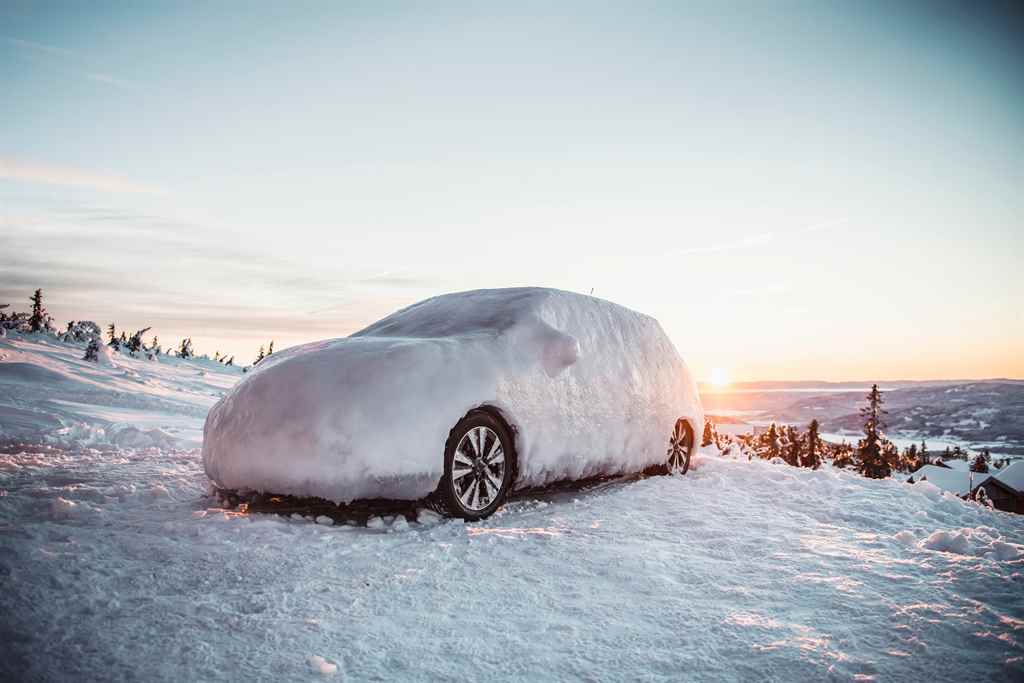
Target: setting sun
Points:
(719, 377)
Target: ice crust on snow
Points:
(590, 387)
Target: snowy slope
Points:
(116, 564)
(48, 393)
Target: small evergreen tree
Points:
(259, 357)
(979, 464)
(793, 452)
(981, 497)
(112, 333)
(185, 349)
(270, 350)
(231, 361)
(708, 437)
(135, 343)
(772, 441)
(92, 351)
(911, 459)
(812, 458)
(39, 321)
(891, 455)
(872, 462)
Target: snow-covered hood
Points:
(350, 418)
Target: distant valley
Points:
(977, 414)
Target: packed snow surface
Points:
(117, 566)
(589, 386)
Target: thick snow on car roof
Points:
(476, 311)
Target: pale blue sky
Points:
(796, 190)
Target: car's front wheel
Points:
(479, 466)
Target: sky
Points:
(817, 190)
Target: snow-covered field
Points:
(116, 564)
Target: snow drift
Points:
(590, 387)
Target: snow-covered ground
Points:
(48, 393)
(116, 564)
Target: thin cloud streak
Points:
(67, 176)
(65, 55)
(41, 48)
(745, 243)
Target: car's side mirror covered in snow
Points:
(553, 349)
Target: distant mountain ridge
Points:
(982, 413)
(846, 384)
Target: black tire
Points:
(680, 451)
(462, 470)
(680, 448)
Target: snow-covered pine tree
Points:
(259, 357)
(771, 441)
(911, 458)
(92, 350)
(871, 460)
(922, 454)
(112, 334)
(135, 343)
(39, 321)
(979, 464)
(891, 455)
(794, 452)
(230, 361)
(981, 497)
(708, 437)
(270, 350)
(185, 349)
(812, 457)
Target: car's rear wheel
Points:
(680, 448)
(479, 466)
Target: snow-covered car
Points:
(464, 397)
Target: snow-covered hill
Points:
(49, 394)
(117, 564)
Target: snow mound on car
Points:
(368, 415)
